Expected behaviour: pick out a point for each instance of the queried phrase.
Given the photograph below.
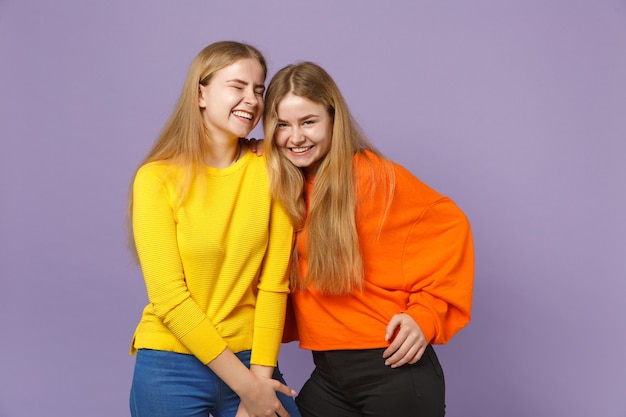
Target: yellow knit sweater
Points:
(215, 267)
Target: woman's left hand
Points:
(242, 411)
(408, 342)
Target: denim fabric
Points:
(168, 384)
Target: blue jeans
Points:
(169, 384)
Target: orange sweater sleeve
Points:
(439, 268)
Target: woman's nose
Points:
(297, 135)
(251, 97)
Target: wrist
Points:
(243, 384)
(262, 371)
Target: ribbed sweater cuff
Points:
(204, 348)
(265, 346)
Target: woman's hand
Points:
(254, 145)
(242, 411)
(259, 398)
(255, 387)
(408, 342)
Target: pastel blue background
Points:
(515, 109)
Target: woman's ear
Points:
(201, 100)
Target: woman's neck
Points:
(223, 155)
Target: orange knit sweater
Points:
(419, 262)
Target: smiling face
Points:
(232, 102)
(304, 131)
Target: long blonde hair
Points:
(335, 264)
(183, 139)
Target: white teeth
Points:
(300, 150)
(243, 114)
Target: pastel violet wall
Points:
(516, 109)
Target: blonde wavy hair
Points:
(335, 264)
(183, 140)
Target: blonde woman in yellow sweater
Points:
(214, 250)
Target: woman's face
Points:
(304, 131)
(232, 103)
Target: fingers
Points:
(405, 353)
(252, 144)
(263, 401)
(280, 387)
(279, 408)
(255, 145)
(408, 342)
(391, 327)
(394, 333)
(409, 353)
(419, 354)
(282, 412)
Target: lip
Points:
(301, 150)
(241, 115)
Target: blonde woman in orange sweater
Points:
(383, 264)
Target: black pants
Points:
(356, 383)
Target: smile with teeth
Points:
(301, 149)
(243, 114)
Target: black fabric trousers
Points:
(356, 383)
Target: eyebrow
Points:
(238, 81)
(301, 119)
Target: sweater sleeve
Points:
(273, 289)
(439, 271)
(154, 230)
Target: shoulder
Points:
(369, 166)
(408, 192)
(254, 167)
(366, 160)
(157, 172)
(157, 168)
(411, 190)
(253, 159)
(405, 179)
(371, 169)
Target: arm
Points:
(439, 259)
(273, 290)
(154, 229)
(255, 386)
